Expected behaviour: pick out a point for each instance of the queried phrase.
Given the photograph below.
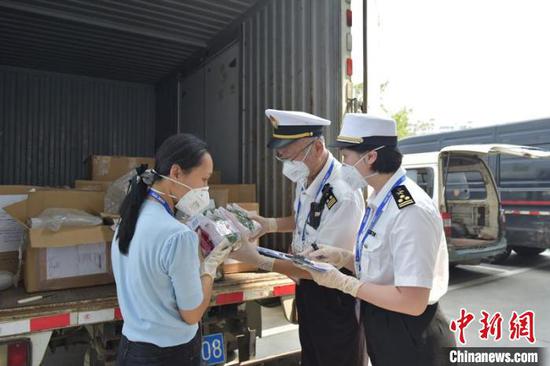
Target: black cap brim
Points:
(342, 145)
(368, 142)
(275, 144)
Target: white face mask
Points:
(194, 202)
(351, 175)
(296, 171)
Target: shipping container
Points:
(81, 78)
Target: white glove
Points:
(215, 258)
(338, 257)
(333, 278)
(248, 253)
(268, 225)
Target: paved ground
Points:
(518, 285)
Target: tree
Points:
(401, 117)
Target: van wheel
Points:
(499, 258)
(528, 252)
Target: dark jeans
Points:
(139, 353)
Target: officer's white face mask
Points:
(296, 171)
(351, 175)
(194, 202)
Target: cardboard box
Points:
(215, 178)
(70, 257)
(92, 185)
(219, 195)
(238, 192)
(110, 168)
(233, 266)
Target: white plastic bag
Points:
(117, 192)
(55, 218)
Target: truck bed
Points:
(234, 288)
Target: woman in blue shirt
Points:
(163, 288)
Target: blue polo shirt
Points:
(159, 276)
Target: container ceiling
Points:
(137, 40)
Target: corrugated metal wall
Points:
(50, 123)
(291, 55)
(166, 109)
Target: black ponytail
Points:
(183, 149)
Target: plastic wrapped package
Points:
(117, 191)
(55, 218)
(213, 228)
(219, 228)
(250, 226)
(205, 243)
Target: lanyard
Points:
(160, 200)
(359, 242)
(323, 182)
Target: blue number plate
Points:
(213, 349)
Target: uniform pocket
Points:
(373, 255)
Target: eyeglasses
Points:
(282, 160)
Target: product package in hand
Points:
(248, 226)
(213, 226)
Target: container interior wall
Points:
(50, 123)
(210, 109)
(291, 60)
(166, 109)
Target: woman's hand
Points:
(215, 258)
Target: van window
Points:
(424, 177)
(465, 186)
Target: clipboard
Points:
(296, 259)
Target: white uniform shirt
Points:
(409, 246)
(339, 224)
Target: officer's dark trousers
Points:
(330, 334)
(398, 339)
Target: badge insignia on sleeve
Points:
(328, 196)
(402, 197)
(331, 201)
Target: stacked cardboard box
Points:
(92, 185)
(109, 168)
(215, 178)
(70, 257)
(238, 192)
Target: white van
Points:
(464, 189)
